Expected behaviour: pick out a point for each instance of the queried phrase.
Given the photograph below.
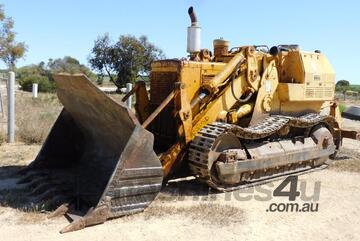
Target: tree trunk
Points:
(113, 81)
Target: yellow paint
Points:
(293, 82)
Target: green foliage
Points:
(342, 83)
(42, 73)
(342, 108)
(31, 70)
(342, 86)
(125, 59)
(10, 50)
(69, 65)
(354, 88)
(44, 84)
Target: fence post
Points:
(11, 107)
(129, 100)
(1, 104)
(35, 90)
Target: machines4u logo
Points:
(289, 188)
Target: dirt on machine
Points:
(230, 117)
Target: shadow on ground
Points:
(346, 160)
(188, 186)
(12, 194)
(18, 196)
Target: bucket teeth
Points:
(61, 210)
(93, 216)
(74, 226)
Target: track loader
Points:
(230, 117)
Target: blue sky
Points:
(54, 29)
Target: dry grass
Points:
(34, 117)
(206, 213)
(346, 160)
(2, 137)
(18, 154)
(32, 218)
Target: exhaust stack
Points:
(193, 33)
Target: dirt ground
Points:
(184, 211)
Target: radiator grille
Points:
(319, 93)
(164, 125)
(162, 83)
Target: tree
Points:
(42, 73)
(342, 86)
(343, 83)
(30, 74)
(70, 65)
(10, 50)
(124, 60)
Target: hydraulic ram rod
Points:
(158, 109)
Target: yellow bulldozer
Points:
(229, 117)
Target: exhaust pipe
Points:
(192, 16)
(193, 33)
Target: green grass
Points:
(342, 108)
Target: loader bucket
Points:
(97, 162)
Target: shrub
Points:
(45, 85)
(342, 108)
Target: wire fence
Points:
(3, 83)
(348, 96)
